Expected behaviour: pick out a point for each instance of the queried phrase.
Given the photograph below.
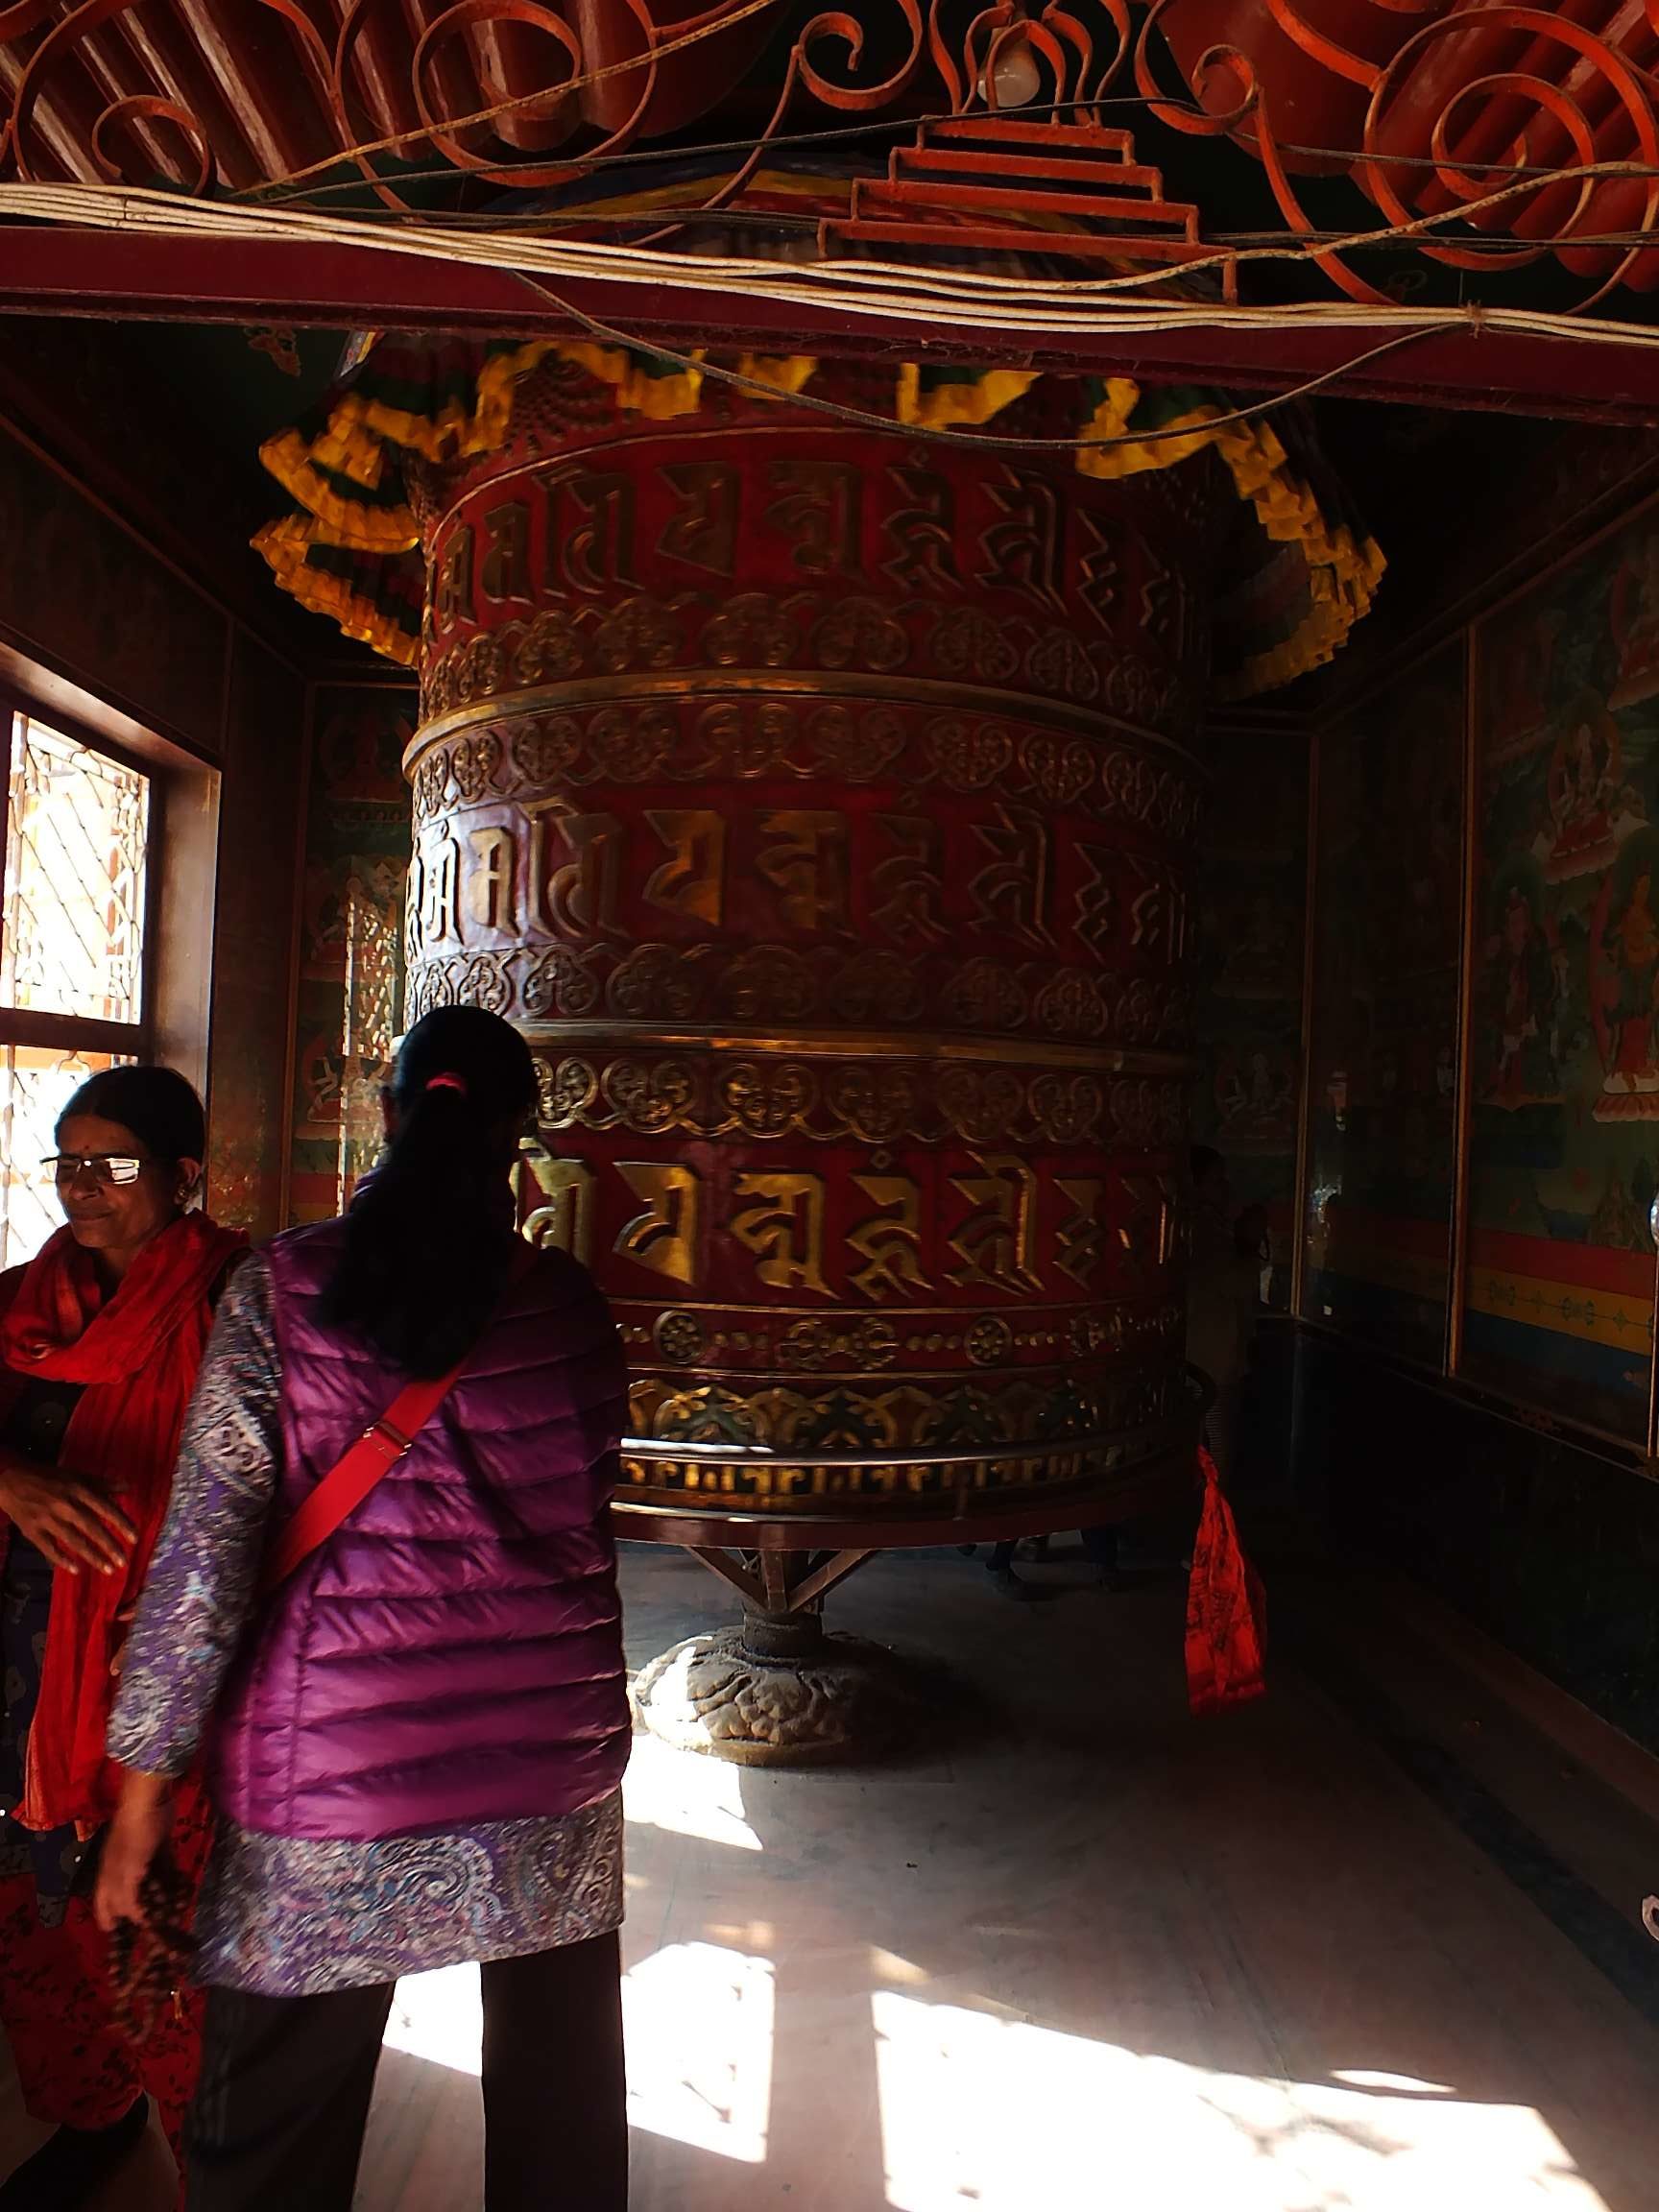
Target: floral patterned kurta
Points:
(283, 1917)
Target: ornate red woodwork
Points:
(1435, 108)
(821, 807)
(1427, 105)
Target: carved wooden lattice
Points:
(72, 941)
(77, 836)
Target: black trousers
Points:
(283, 2097)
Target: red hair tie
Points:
(447, 1083)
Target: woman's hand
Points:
(72, 1524)
(143, 1820)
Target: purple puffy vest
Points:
(453, 1653)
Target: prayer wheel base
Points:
(782, 1693)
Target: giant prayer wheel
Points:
(821, 805)
(814, 784)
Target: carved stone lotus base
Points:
(781, 1693)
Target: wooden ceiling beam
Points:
(105, 274)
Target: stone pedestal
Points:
(782, 1691)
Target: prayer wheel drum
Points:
(820, 805)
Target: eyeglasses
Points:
(119, 1169)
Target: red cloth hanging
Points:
(1226, 1609)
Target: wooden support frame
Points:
(770, 1587)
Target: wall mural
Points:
(1565, 1050)
(1253, 874)
(351, 938)
(1383, 1068)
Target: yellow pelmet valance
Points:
(352, 551)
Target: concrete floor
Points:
(1369, 1946)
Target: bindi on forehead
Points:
(86, 1133)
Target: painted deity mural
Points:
(1383, 1057)
(1565, 1049)
(1253, 874)
(350, 939)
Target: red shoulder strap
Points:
(347, 1483)
(375, 1453)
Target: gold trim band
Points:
(869, 1044)
(783, 1458)
(789, 683)
(623, 1303)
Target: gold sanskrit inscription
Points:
(1099, 570)
(1012, 893)
(1080, 1242)
(922, 532)
(997, 1242)
(784, 1228)
(597, 547)
(704, 532)
(578, 896)
(1023, 551)
(817, 506)
(452, 588)
(692, 880)
(565, 1216)
(1164, 604)
(1149, 1230)
(1158, 912)
(904, 890)
(664, 1236)
(805, 860)
(889, 1241)
(489, 878)
(434, 892)
(1096, 899)
(504, 572)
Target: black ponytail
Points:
(429, 1238)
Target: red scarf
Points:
(137, 1356)
(1226, 1609)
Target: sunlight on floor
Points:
(1000, 2116)
(1362, 2077)
(699, 2026)
(439, 2017)
(685, 1793)
(699, 2021)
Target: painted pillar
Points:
(820, 805)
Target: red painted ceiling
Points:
(1424, 104)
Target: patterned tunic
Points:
(285, 1916)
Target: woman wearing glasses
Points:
(101, 1337)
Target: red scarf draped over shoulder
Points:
(136, 1353)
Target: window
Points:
(74, 947)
